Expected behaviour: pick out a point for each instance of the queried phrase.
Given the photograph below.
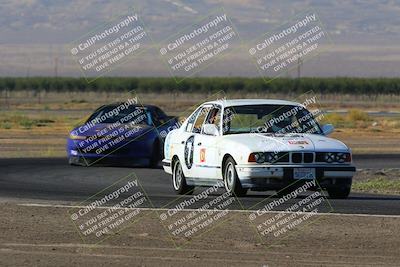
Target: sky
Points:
(361, 38)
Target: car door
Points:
(205, 157)
(189, 138)
(183, 143)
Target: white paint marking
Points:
(190, 210)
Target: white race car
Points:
(258, 145)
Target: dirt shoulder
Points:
(45, 236)
(381, 181)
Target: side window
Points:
(200, 119)
(191, 120)
(214, 117)
(158, 116)
(228, 117)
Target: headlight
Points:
(261, 157)
(272, 157)
(343, 157)
(330, 157)
(76, 137)
(338, 157)
(257, 157)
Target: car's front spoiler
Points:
(276, 176)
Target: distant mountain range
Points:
(35, 35)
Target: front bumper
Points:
(167, 166)
(278, 176)
(126, 149)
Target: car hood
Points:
(104, 129)
(289, 142)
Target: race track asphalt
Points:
(52, 180)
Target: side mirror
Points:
(327, 129)
(210, 129)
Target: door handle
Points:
(199, 144)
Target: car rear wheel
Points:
(76, 161)
(179, 180)
(231, 180)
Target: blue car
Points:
(121, 134)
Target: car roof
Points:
(115, 104)
(246, 102)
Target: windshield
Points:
(273, 119)
(113, 114)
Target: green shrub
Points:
(377, 185)
(337, 85)
(26, 123)
(5, 125)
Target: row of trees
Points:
(340, 85)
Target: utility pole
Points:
(297, 81)
(28, 69)
(56, 67)
(299, 64)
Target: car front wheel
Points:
(231, 180)
(179, 180)
(339, 193)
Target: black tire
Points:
(231, 179)
(179, 180)
(155, 155)
(339, 193)
(71, 162)
(75, 161)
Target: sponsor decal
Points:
(203, 155)
(189, 146)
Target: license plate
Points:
(304, 173)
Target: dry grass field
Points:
(33, 125)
